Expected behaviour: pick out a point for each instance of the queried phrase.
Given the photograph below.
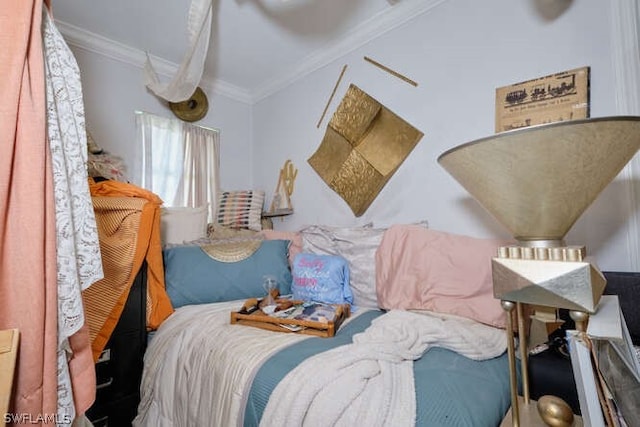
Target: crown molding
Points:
(371, 29)
(381, 23)
(95, 43)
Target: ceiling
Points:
(256, 46)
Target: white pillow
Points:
(180, 225)
(358, 245)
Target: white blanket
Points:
(370, 382)
(199, 368)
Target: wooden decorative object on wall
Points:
(335, 87)
(281, 202)
(192, 109)
(555, 98)
(392, 72)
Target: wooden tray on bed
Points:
(259, 319)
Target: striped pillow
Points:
(240, 209)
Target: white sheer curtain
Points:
(625, 48)
(180, 161)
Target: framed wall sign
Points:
(558, 97)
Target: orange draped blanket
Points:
(128, 219)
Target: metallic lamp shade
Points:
(537, 181)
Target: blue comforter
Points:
(451, 390)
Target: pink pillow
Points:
(296, 241)
(420, 268)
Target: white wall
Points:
(113, 90)
(459, 53)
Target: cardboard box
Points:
(8, 352)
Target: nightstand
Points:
(119, 368)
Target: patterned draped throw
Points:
(365, 143)
(78, 257)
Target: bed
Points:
(425, 348)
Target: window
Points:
(180, 161)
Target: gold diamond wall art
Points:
(363, 146)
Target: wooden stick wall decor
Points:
(390, 71)
(332, 95)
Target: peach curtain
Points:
(27, 224)
(28, 273)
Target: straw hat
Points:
(192, 109)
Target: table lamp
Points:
(536, 182)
